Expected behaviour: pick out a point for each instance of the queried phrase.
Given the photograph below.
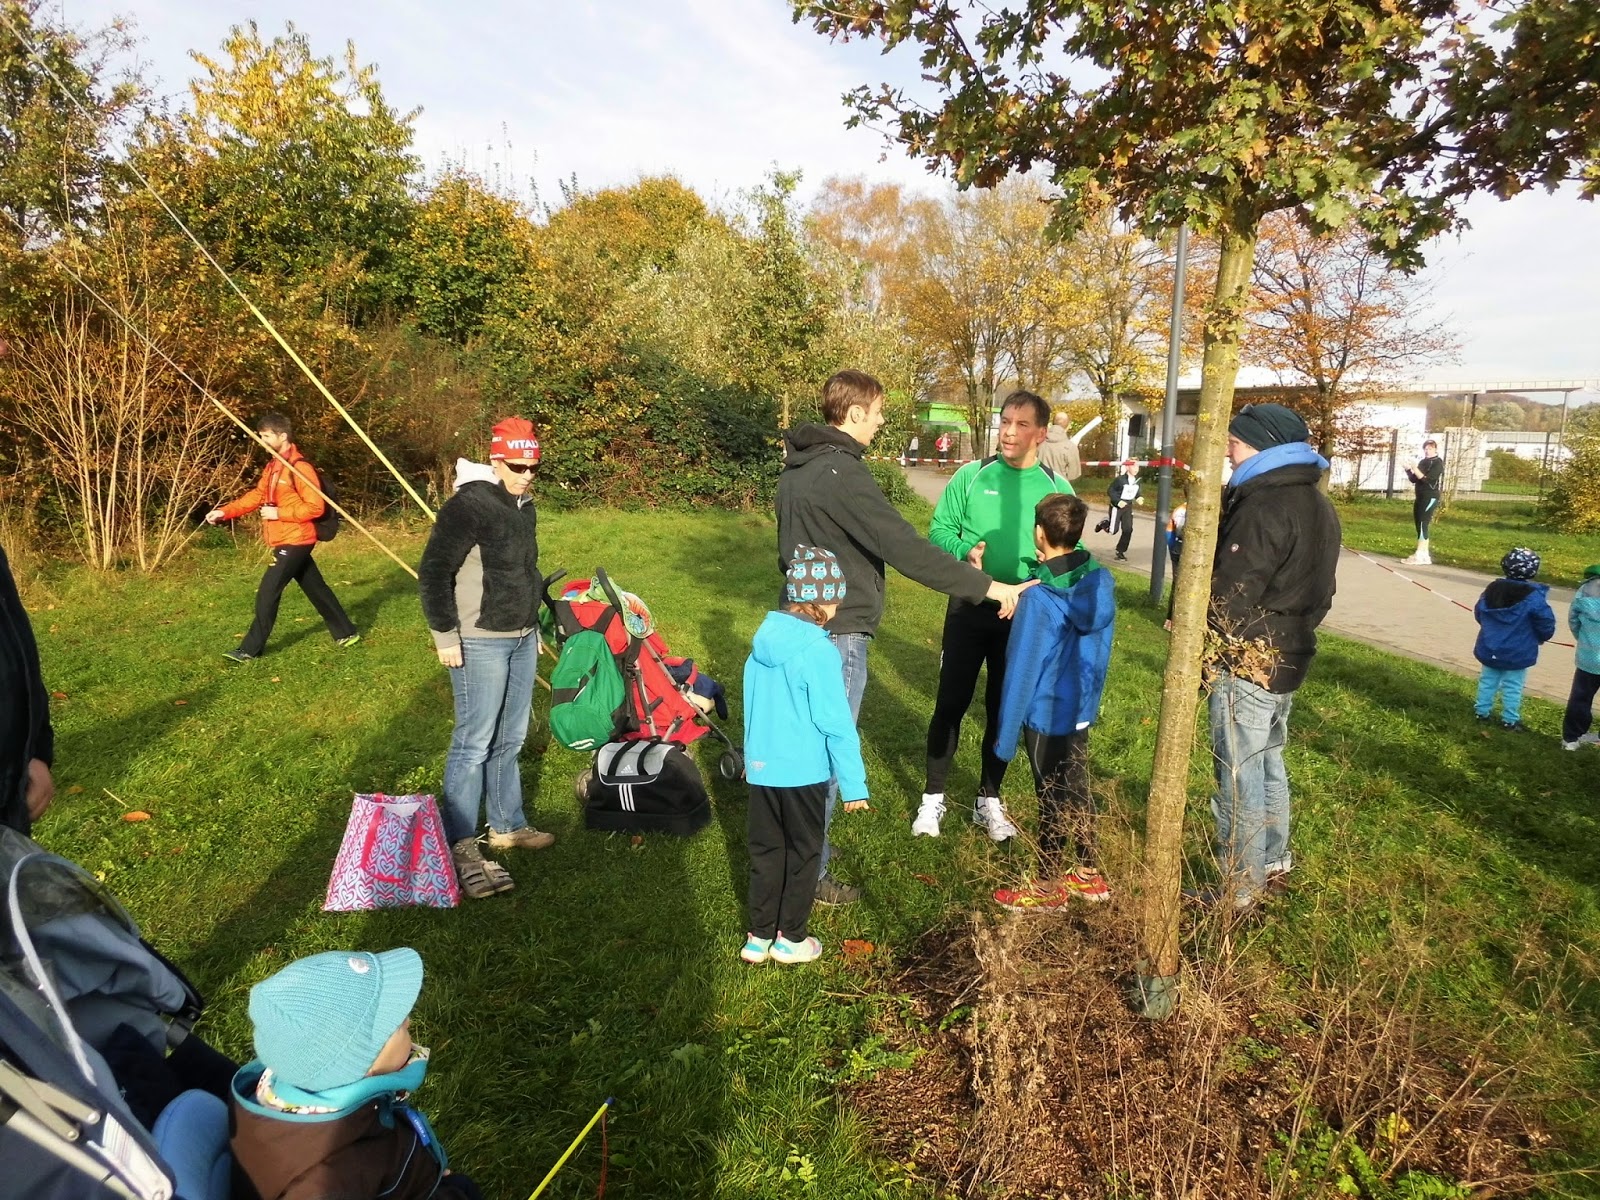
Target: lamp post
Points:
(1169, 412)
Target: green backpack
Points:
(586, 690)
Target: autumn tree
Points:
(1209, 113)
(1328, 313)
(290, 167)
(1120, 284)
(469, 249)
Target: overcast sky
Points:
(718, 91)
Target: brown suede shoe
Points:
(526, 838)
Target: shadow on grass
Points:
(1517, 787)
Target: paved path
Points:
(1376, 602)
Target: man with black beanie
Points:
(1272, 584)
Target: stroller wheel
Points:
(580, 785)
(731, 765)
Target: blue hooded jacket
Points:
(1058, 654)
(1514, 618)
(797, 724)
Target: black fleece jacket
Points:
(1273, 581)
(828, 498)
(25, 732)
(486, 517)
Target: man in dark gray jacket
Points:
(1272, 584)
(827, 497)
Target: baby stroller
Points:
(92, 1104)
(642, 779)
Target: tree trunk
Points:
(1180, 685)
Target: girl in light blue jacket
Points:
(798, 734)
(1583, 618)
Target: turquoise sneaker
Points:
(756, 950)
(789, 953)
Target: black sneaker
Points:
(1514, 726)
(1121, 557)
(830, 891)
(1483, 718)
(238, 656)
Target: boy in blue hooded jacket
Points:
(1514, 619)
(1056, 665)
(798, 735)
(1583, 618)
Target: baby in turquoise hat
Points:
(324, 1108)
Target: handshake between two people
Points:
(1003, 594)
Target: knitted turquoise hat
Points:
(321, 1021)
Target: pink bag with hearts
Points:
(393, 854)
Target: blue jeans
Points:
(1509, 685)
(1249, 726)
(493, 690)
(853, 653)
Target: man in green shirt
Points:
(985, 516)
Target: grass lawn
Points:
(1462, 862)
(1474, 534)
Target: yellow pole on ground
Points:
(576, 1142)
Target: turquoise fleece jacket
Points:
(797, 724)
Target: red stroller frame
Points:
(658, 707)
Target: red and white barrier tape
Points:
(1418, 583)
(906, 460)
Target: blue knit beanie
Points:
(814, 577)
(321, 1021)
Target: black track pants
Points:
(975, 637)
(293, 563)
(1066, 802)
(1422, 510)
(783, 833)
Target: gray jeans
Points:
(1249, 726)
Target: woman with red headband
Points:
(481, 590)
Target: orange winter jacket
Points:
(297, 500)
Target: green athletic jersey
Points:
(993, 502)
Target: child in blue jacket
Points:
(1514, 619)
(798, 734)
(1583, 618)
(1056, 665)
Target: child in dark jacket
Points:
(1514, 619)
(798, 734)
(323, 1111)
(1056, 665)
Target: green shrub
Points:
(1508, 468)
(892, 480)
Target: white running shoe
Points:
(1589, 739)
(991, 814)
(929, 814)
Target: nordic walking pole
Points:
(576, 1142)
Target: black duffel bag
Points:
(644, 787)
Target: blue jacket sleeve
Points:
(1024, 667)
(1544, 622)
(830, 713)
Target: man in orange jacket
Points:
(289, 501)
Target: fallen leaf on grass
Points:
(855, 948)
(75, 789)
(275, 679)
(927, 879)
(59, 695)
(180, 703)
(137, 814)
(636, 840)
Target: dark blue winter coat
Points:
(1058, 653)
(1514, 618)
